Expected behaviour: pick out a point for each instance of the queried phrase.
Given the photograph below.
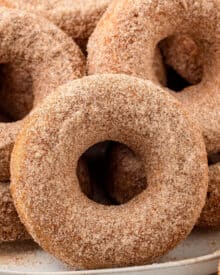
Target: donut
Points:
(182, 54)
(26, 57)
(126, 179)
(77, 18)
(210, 217)
(85, 112)
(125, 39)
(11, 228)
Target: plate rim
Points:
(171, 264)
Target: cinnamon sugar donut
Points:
(210, 216)
(11, 228)
(126, 179)
(80, 114)
(124, 41)
(77, 18)
(35, 50)
(182, 54)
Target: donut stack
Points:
(110, 126)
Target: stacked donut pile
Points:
(158, 150)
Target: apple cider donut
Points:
(210, 217)
(126, 179)
(32, 49)
(77, 18)
(125, 39)
(11, 228)
(79, 115)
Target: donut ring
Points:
(182, 54)
(77, 18)
(124, 41)
(24, 43)
(126, 179)
(144, 116)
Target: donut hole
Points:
(104, 169)
(214, 158)
(92, 173)
(183, 61)
(16, 92)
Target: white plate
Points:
(199, 254)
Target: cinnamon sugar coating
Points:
(182, 54)
(127, 179)
(77, 18)
(34, 51)
(210, 216)
(11, 228)
(87, 111)
(125, 38)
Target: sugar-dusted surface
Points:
(11, 227)
(77, 18)
(84, 112)
(125, 39)
(210, 216)
(127, 179)
(31, 46)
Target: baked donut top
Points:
(80, 114)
